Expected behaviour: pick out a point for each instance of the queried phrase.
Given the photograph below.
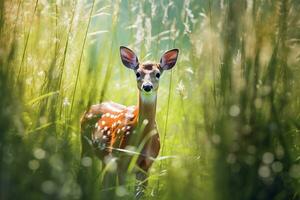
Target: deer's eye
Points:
(157, 75)
(138, 75)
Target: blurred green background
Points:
(228, 113)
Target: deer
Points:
(108, 126)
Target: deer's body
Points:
(110, 128)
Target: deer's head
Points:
(148, 73)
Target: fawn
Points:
(109, 126)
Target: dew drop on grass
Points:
(121, 191)
(49, 187)
(145, 122)
(234, 111)
(231, 158)
(277, 167)
(266, 90)
(294, 171)
(39, 153)
(33, 164)
(111, 163)
(268, 158)
(264, 171)
(216, 139)
(86, 161)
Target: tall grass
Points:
(228, 113)
(254, 130)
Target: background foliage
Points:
(228, 114)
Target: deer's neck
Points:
(147, 109)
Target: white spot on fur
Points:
(127, 115)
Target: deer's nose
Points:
(147, 87)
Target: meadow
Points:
(228, 113)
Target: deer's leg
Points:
(151, 151)
(141, 176)
(141, 183)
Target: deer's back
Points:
(108, 125)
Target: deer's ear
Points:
(128, 57)
(168, 60)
